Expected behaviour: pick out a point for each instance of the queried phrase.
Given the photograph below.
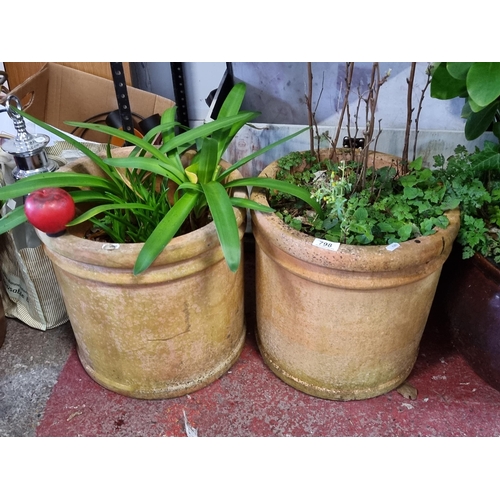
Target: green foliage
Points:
(473, 180)
(389, 209)
(132, 203)
(479, 84)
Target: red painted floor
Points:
(251, 401)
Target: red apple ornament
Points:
(49, 210)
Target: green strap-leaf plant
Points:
(141, 183)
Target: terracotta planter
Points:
(342, 324)
(470, 296)
(165, 333)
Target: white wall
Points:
(277, 90)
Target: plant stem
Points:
(420, 103)
(409, 111)
(309, 106)
(348, 81)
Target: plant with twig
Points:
(363, 203)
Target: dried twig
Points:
(420, 104)
(309, 106)
(345, 105)
(313, 124)
(371, 107)
(409, 108)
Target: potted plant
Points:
(470, 290)
(156, 301)
(343, 293)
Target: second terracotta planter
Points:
(342, 324)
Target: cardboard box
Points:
(58, 93)
(54, 95)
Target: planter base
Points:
(333, 392)
(172, 389)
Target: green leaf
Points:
(450, 204)
(208, 160)
(405, 231)
(487, 159)
(466, 110)
(364, 239)
(164, 167)
(242, 162)
(387, 174)
(55, 179)
(442, 221)
(491, 146)
(230, 107)
(87, 196)
(386, 227)
(416, 164)
(251, 205)
(189, 137)
(427, 227)
(165, 231)
(474, 106)
(121, 134)
(483, 82)
(232, 104)
(228, 136)
(165, 128)
(192, 186)
(360, 214)
(478, 123)
(278, 185)
(12, 219)
(225, 222)
(408, 180)
(444, 86)
(424, 175)
(104, 208)
(168, 116)
(458, 70)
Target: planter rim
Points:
(357, 258)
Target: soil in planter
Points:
(389, 209)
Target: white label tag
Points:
(392, 247)
(11, 204)
(329, 245)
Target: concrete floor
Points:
(44, 391)
(30, 364)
